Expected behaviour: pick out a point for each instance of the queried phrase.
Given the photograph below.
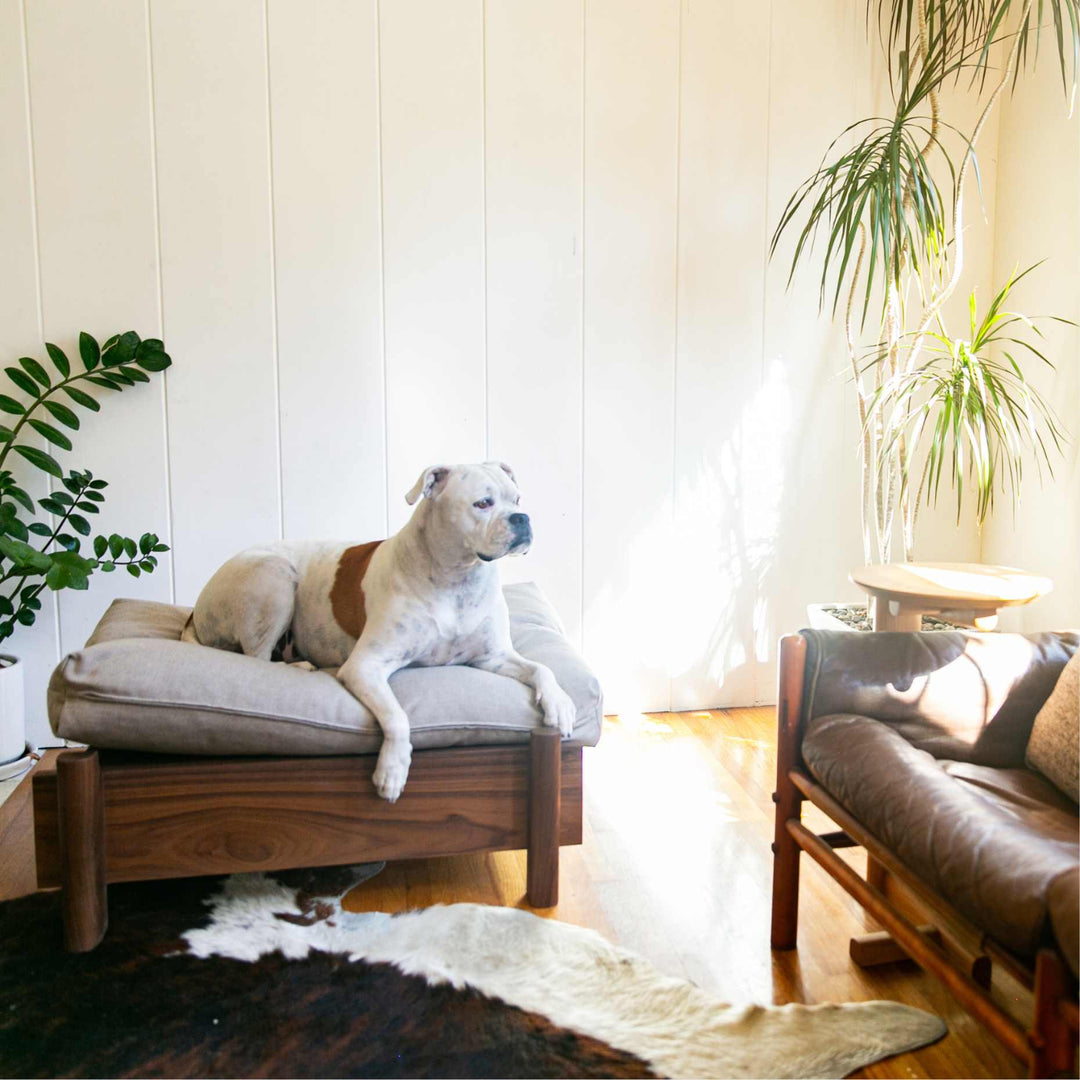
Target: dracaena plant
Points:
(48, 554)
(891, 243)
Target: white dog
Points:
(427, 596)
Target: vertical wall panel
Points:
(398, 233)
(433, 205)
(631, 123)
(804, 476)
(1038, 217)
(533, 157)
(90, 89)
(721, 563)
(20, 332)
(324, 110)
(210, 85)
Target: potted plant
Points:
(931, 403)
(48, 554)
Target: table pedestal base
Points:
(892, 615)
(895, 615)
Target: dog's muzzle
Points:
(522, 531)
(520, 538)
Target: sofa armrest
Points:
(960, 695)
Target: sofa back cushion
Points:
(962, 696)
(1054, 746)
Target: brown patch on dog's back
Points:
(347, 592)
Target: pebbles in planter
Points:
(856, 617)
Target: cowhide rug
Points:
(256, 975)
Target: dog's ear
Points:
(505, 468)
(429, 484)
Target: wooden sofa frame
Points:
(107, 816)
(1048, 1047)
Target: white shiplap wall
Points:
(375, 236)
(1038, 218)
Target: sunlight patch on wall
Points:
(729, 514)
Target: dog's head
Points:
(479, 504)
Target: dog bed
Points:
(136, 686)
(207, 762)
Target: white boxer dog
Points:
(427, 596)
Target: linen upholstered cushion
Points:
(136, 686)
(1054, 746)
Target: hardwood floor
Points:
(676, 865)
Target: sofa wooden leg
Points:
(880, 947)
(81, 815)
(788, 798)
(1053, 1042)
(876, 874)
(545, 788)
(785, 885)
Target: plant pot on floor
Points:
(12, 713)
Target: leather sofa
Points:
(914, 744)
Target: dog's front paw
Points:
(559, 710)
(391, 771)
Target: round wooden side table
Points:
(967, 593)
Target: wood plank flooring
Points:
(676, 865)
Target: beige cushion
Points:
(136, 686)
(1054, 746)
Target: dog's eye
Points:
(484, 504)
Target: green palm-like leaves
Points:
(967, 410)
(882, 188)
(1036, 19)
(870, 188)
(970, 28)
(875, 217)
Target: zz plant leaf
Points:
(54, 559)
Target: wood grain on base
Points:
(175, 818)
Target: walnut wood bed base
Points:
(890, 892)
(106, 816)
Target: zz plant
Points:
(35, 555)
(891, 239)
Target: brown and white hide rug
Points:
(269, 976)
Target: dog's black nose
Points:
(519, 521)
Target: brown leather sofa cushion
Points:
(963, 696)
(1000, 844)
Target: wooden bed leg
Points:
(80, 798)
(545, 789)
(1052, 1041)
(788, 799)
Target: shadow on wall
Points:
(732, 512)
(780, 507)
(687, 613)
(695, 596)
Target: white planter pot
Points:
(12, 713)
